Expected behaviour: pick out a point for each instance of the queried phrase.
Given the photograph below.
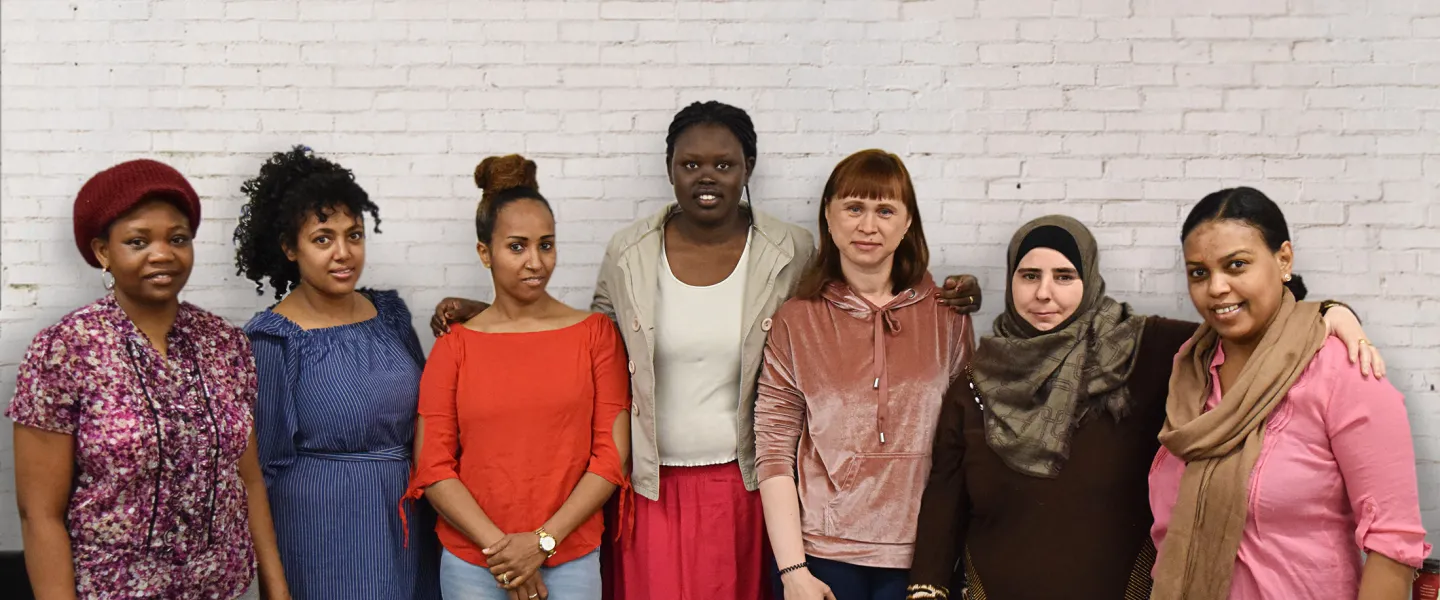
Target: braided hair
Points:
(291, 186)
(714, 113)
(503, 180)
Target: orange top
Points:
(538, 410)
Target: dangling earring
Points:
(1286, 278)
(107, 279)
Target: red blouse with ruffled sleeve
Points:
(519, 418)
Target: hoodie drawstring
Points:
(884, 320)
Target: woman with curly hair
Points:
(339, 371)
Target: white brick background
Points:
(1119, 112)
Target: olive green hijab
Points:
(1036, 385)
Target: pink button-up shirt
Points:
(1336, 473)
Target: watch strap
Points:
(542, 534)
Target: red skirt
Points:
(703, 540)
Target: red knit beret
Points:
(118, 189)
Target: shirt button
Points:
(765, 325)
(632, 367)
(634, 408)
(635, 324)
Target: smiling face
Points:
(709, 171)
(521, 251)
(149, 251)
(1046, 289)
(331, 253)
(867, 230)
(1236, 282)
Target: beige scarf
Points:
(1220, 448)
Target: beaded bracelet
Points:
(920, 591)
(796, 567)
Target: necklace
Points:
(197, 375)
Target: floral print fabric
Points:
(158, 508)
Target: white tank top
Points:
(697, 366)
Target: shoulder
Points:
(391, 308)
(601, 328)
(83, 324)
(213, 331)
(1333, 381)
(84, 332)
(58, 344)
(1164, 336)
(788, 236)
(1330, 361)
(1331, 366)
(386, 300)
(794, 311)
(636, 231)
(268, 324)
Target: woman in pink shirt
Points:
(1278, 461)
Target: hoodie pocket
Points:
(878, 499)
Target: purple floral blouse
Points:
(158, 509)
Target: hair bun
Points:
(1296, 286)
(496, 174)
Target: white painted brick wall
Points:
(1121, 112)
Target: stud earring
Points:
(1286, 278)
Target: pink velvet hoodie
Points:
(849, 398)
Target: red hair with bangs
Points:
(870, 174)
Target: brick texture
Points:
(1121, 112)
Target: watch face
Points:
(547, 543)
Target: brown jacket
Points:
(849, 397)
(1079, 535)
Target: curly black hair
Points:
(291, 186)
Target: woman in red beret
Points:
(134, 456)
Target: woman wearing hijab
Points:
(1044, 451)
(1280, 463)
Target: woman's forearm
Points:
(262, 526)
(267, 550)
(455, 504)
(1385, 579)
(589, 495)
(47, 558)
(782, 520)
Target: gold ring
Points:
(505, 579)
(534, 595)
(1364, 342)
(969, 299)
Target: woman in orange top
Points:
(523, 423)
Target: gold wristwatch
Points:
(547, 542)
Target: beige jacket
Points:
(626, 292)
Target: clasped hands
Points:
(515, 562)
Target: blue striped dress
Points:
(335, 420)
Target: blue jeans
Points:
(853, 582)
(578, 579)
